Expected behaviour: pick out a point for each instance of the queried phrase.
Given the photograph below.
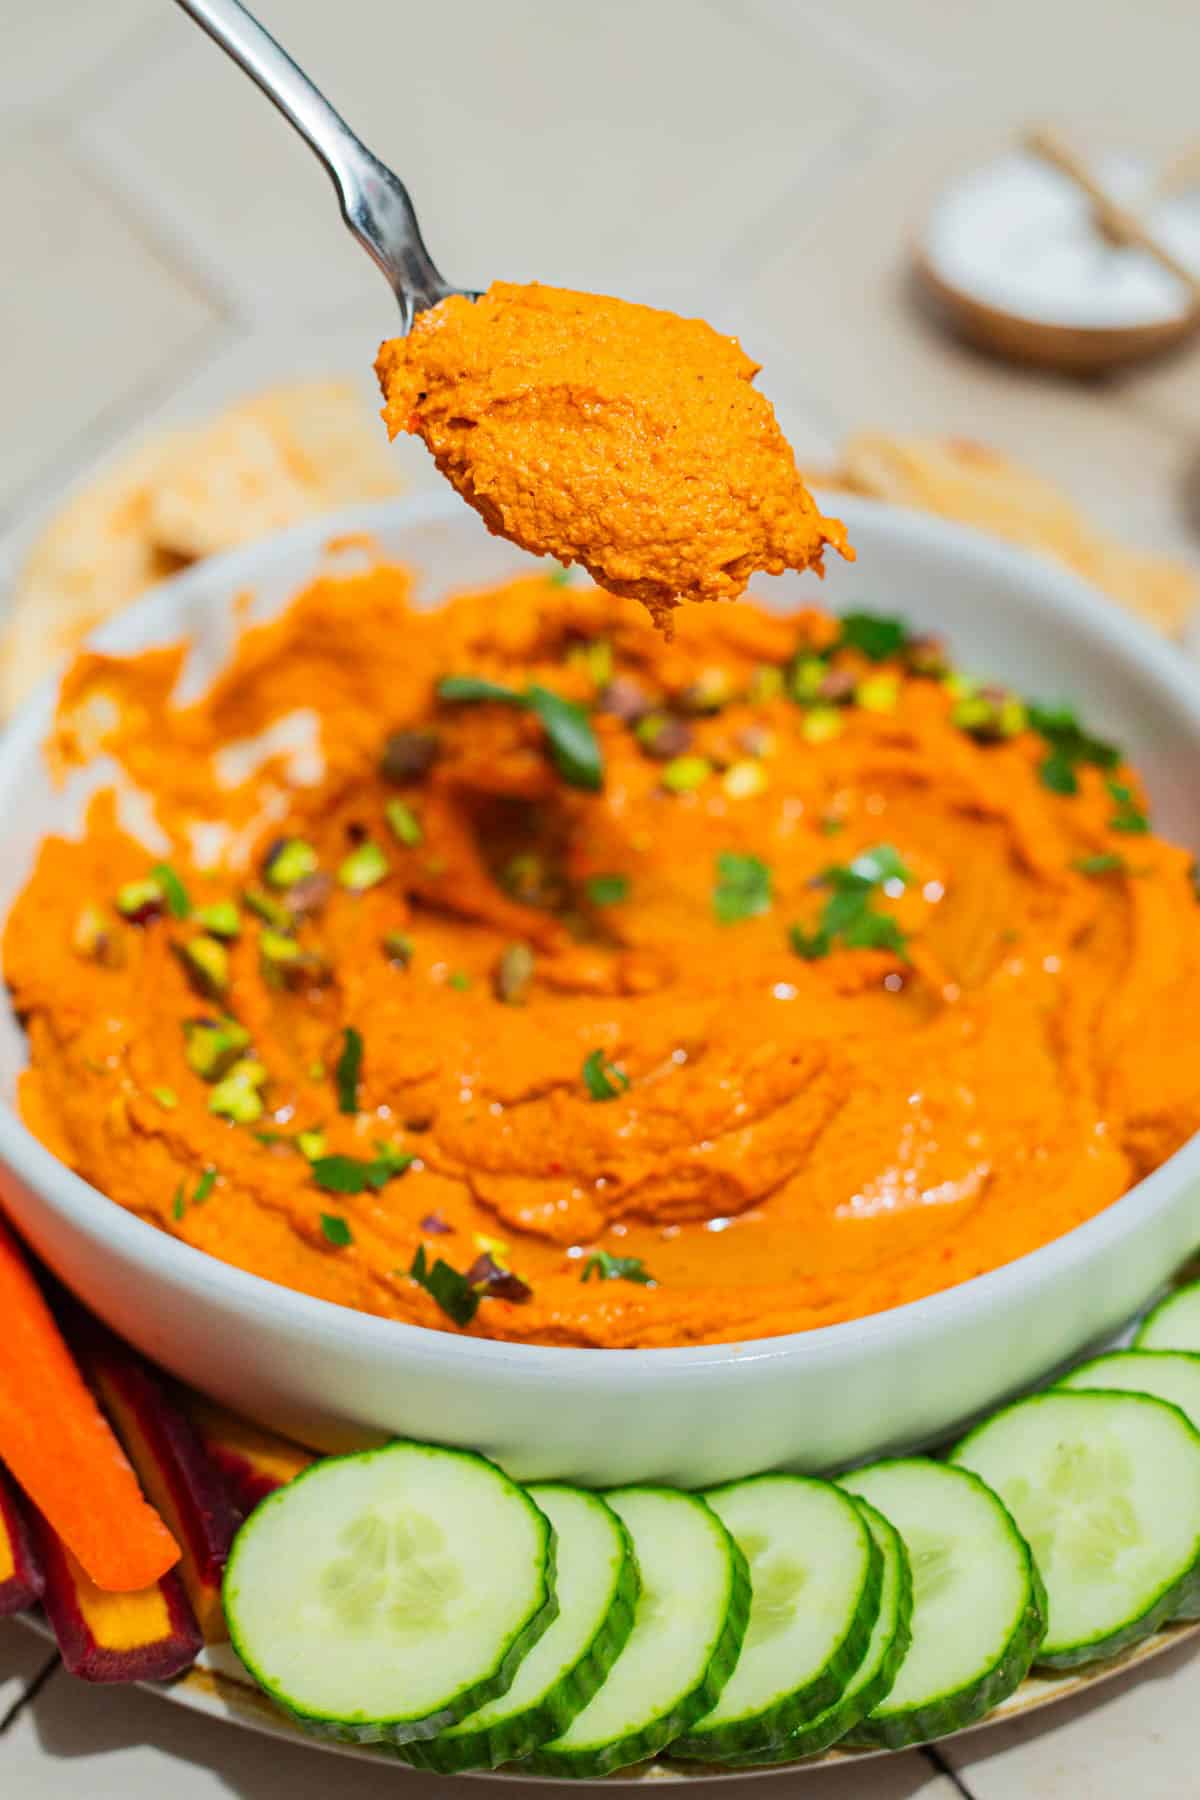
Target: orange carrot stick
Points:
(61, 1450)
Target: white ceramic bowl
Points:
(812, 1400)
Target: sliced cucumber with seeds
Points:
(815, 1575)
(688, 1629)
(597, 1582)
(1174, 1323)
(1170, 1375)
(1106, 1488)
(875, 1675)
(383, 1597)
(978, 1607)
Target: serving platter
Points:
(218, 1687)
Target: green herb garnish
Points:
(607, 890)
(850, 917)
(1070, 746)
(603, 1079)
(742, 889)
(560, 577)
(351, 1175)
(204, 1187)
(1104, 862)
(452, 1291)
(336, 1230)
(179, 1203)
(174, 892)
(573, 746)
(876, 636)
(1129, 816)
(617, 1268)
(348, 1070)
(459, 980)
(167, 1098)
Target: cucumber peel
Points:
(597, 1582)
(688, 1630)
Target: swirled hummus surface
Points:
(590, 989)
(609, 434)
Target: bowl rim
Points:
(324, 1323)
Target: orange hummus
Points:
(608, 434)
(592, 989)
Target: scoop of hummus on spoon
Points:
(629, 440)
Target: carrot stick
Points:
(61, 1450)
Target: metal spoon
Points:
(374, 202)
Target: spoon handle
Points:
(374, 202)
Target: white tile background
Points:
(165, 243)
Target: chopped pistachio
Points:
(279, 956)
(96, 937)
(663, 737)
(141, 901)
(273, 912)
(398, 947)
(405, 825)
(527, 879)
(925, 655)
(221, 920)
(289, 862)
(238, 1096)
(626, 699)
(684, 773)
(711, 690)
(821, 724)
(595, 659)
(206, 963)
(167, 1098)
(744, 779)
(311, 1144)
(757, 740)
(212, 1046)
(766, 684)
(878, 693)
(806, 676)
(989, 715)
(491, 1246)
(514, 974)
(407, 755)
(364, 868)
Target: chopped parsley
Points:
(742, 889)
(1128, 816)
(336, 1230)
(204, 1188)
(574, 748)
(602, 1078)
(876, 636)
(348, 1070)
(607, 890)
(606, 1267)
(851, 917)
(351, 1175)
(1104, 862)
(174, 893)
(1069, 747)
(452, 1291)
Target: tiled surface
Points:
(167, 243)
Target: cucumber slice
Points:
(876, 1673)
(978, 1606)
(687, 1633)
(1170, 1375)
(597, 1582)
(1106, 1487)
(815, 1575)
(1174, 1324)
(384, 1596)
